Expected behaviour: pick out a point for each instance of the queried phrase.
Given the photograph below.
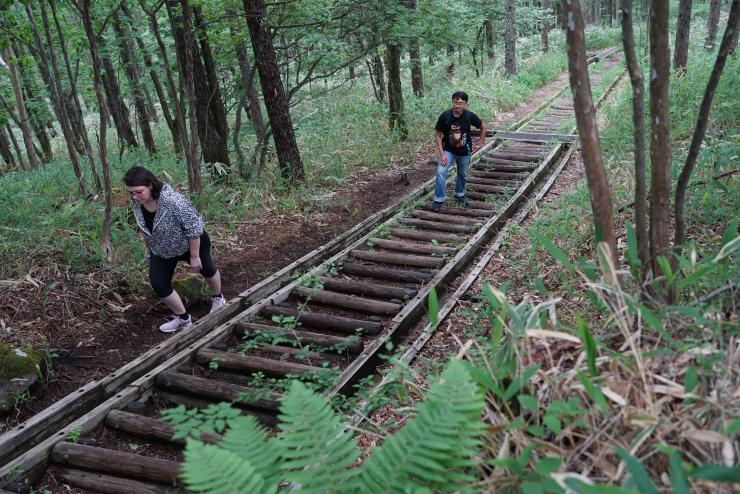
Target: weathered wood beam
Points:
(325, 321)
(437, 225)
(381, 273)
(412, 246)
(110, 484)
(440, 216)
(149, 428)
(421, 235)
(326, 342)
(398, 259)
(212, 389)
(348, 301)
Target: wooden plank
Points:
(415, 247)
(311, 358)
(367, 289)
(496, 182)
(348, 301)
(235, 362)
(422, 235)
(382, 273)
(115, 462)
(491, 189)
(515, 156)
(326, 342)
(442, 216)
(149, 428)
(110, 484)
(325, 321)
(212, 389)
(398, 259)
(265, 417)
(505, 167)
(459, 211)
(437, 225)
(497, 175)
(502, 161)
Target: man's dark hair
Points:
(138, 175)
(460, 94)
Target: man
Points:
(455, 145)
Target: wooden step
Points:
(493, 182)
(440, 216)
(325, 342)
(244, 363)
(481, 214)
(347, 301)
(149, 428)
(99, 482)
(265, 417)
(370, 289)
(491, 189)
(383, 273)
(398, 259)
(437, 225)
(422, 235)
(324, 321)
(115, 462)
(212, 389)
(412, 246)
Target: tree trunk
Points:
(105, 242)
(76, 110)
(212, 128)
(116, 103)
(252, 98)
(5, 151)
(379, 72)
(660, 143)
(417, 78)
(56, 98)
(38, 116)
(179, 134)
(133, 74)
(728, 41)
(20, 104)
(396, 118)
(683, 29)
(588, 132)
(278, 112)
(489, 39)
(16, 147)
(179, 12)
(546, 26)
(510, 38)
(712, 22)
(638, 97)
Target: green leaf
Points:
(433, 308)
(581, 487)
(593, 391)
(520, 381)
(679, 480)
(554, 251)
(528, 402)
(733, 428)
(690, 380)
(717, 473)
(553, 423)
(548, 465)
(589, 345)
(638, 474)
(212, 470)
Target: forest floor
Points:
(90, 347)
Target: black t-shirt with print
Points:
(455, 131)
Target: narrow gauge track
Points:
(336, 319)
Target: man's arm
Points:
(440, 148)
(482, 140)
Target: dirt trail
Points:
(90, 347)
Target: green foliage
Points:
(314, 450)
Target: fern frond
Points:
(209, 469)
(316, 446)
(436, 447)
(249, 440)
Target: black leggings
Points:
(161, 269)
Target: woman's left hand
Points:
(195, 264)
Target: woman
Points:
(173, 231)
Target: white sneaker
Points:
(175, 324)
(217, 303)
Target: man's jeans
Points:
(440, 179)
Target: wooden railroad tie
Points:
(381, 273)
(422, 235)
(348, 301)
(399, 259)
(327, 342)
(437, 225)
(324, 321)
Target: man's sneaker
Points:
(436, 206)
(462, 201)
(217, 303)
(175, 324)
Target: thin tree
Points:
(683, 29)
(20, 104)
(728, 41)
(278, 112)
(105, 243)
(489, 39)
(417, 77)
(396, 118)
(510, 38)
(638, 97)
(660, 142)
(546, 26)
(712, 23)
(593, 161)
